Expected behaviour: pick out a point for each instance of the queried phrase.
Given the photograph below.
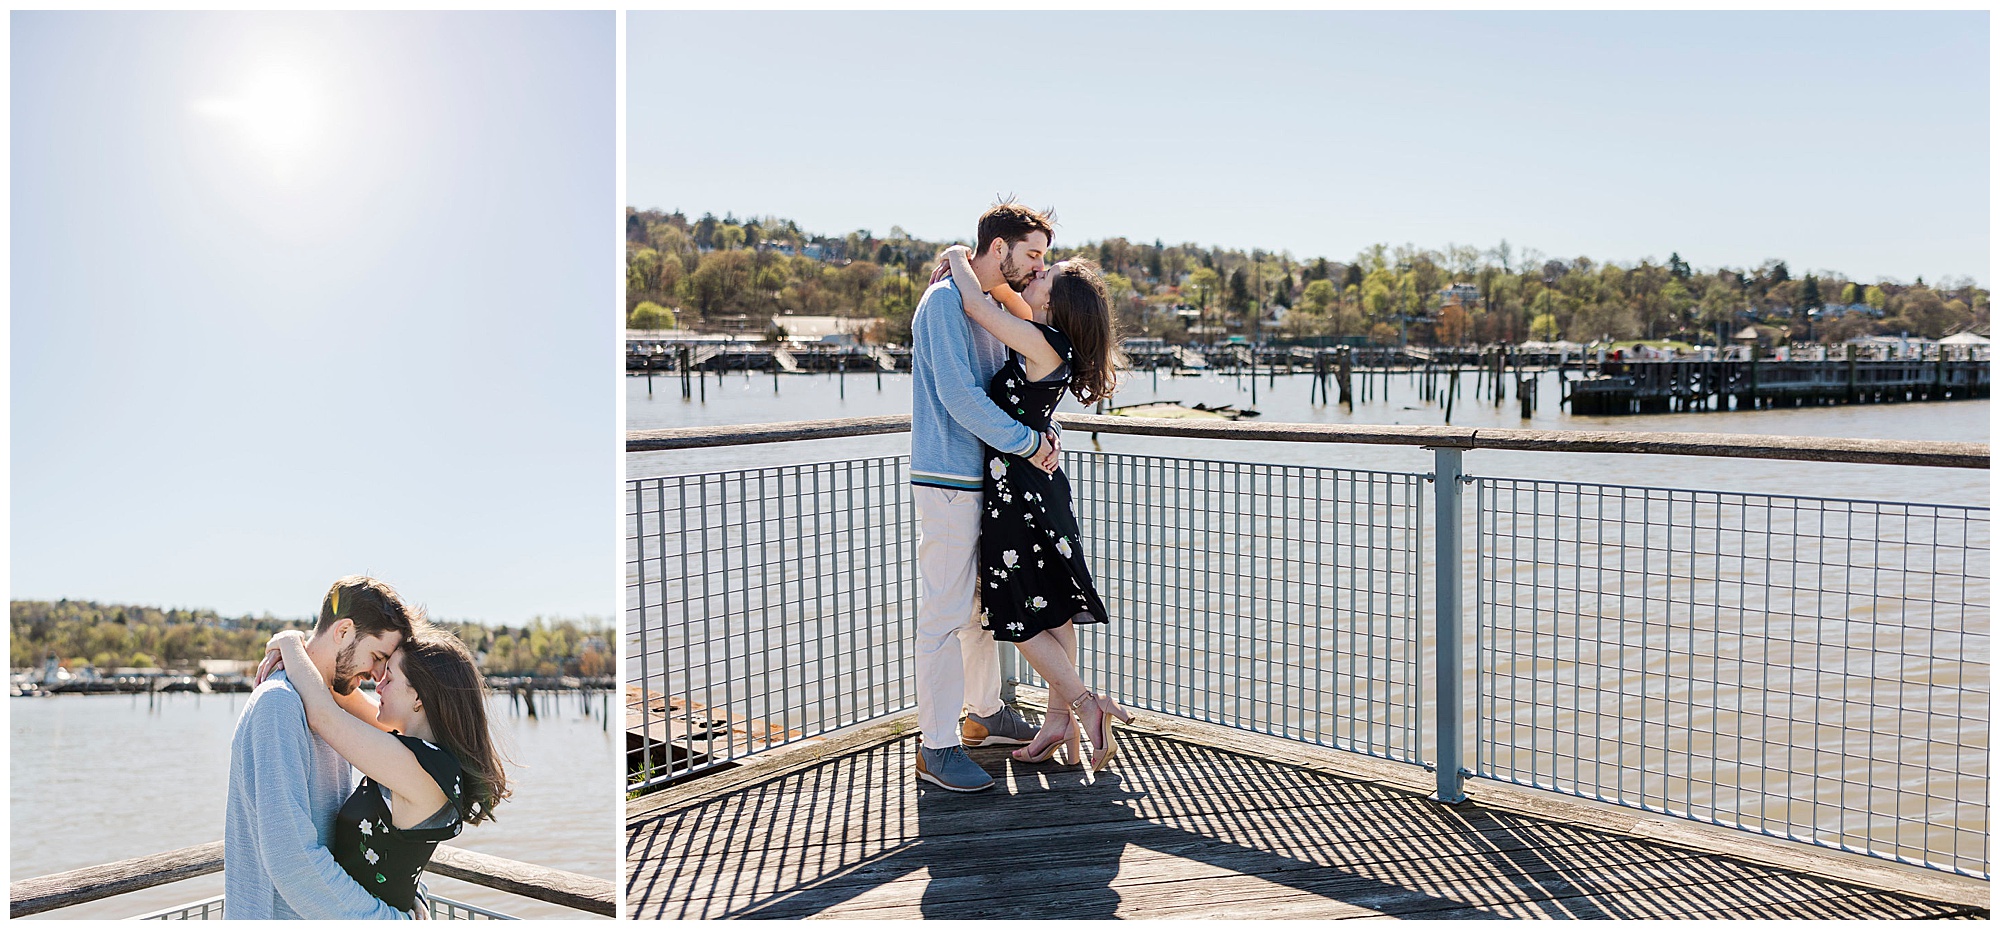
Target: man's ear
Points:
(997, 247)
(343, 631)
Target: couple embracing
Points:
(998, 338)
(298, 839)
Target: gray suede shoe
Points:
(951, 769)
(1005, 728)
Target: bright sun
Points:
(276, 113)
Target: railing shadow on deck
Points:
(1194, 830)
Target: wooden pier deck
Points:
(1198, 821)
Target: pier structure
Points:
(1666, 386)
(1431, 694)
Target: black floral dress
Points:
(384, 859)
(1031, 571)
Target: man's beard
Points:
(1011, 273)
(344, 670)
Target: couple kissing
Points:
(300, 840)
(998, 339)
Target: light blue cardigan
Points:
(950, 415)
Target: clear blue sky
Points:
(1849, 141)
(295, 296)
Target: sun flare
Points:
(277, 113)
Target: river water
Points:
(735, 399)
(1817, 666)
(98, 778)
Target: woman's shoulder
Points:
(443, 766)
(1057, 339)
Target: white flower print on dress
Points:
(1016, 627)
(1010, 558)
(996, 468)
(1062, 546)
(367, 829)
(372, 857)
(1037, 603)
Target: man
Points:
(951, 416)
(286, 784)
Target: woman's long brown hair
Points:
(453, 693)
(1080, 307)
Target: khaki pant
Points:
(957, 662)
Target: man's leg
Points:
(947, 576)
(947, 570)
(981, 656)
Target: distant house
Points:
(830, 330)
(1836, 311)
(732, 323)
(1460, 295)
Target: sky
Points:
(1851, 142)
(298, 296)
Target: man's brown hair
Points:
(374, 607)
(1011, 222)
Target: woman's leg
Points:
(1045, 652)
(1056, 663)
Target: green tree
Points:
(649, 315)
(1544, 328)
(1318, 298)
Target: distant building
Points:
(1462, 295)
(830, 330)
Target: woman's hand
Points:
(943, 269)
(274, 657)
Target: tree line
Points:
(82, 634)
(694, 273)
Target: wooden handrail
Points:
(93, 883)
(1719, 445)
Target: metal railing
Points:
(1217, 576)
(1810, 668)
(777, 601)
(1666, 650)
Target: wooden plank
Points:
(78, 886)
(819, 833)
(555, 886)
(766, 767)
(697, 437)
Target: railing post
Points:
(1010, 671)
(1450, 666)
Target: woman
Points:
(428, 759)
(1033, 582)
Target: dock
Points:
(1677, 386)
(1201, 821)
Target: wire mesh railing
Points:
(1219, 576)
(1810, 668)
(765, 606)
